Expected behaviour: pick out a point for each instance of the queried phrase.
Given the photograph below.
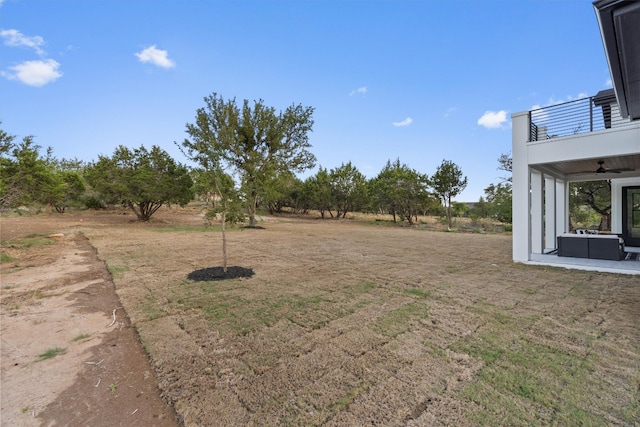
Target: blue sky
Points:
(421, 81)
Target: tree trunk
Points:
(253, 206)
(224, 243)
(449, 211)
(605, 222)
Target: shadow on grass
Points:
(216, 273)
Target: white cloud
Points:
(35, 73)
(155, 56)
(15, 38)
(405, 122)
(493, 119)
(360, 91)
(608, 83)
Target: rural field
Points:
(347, 323)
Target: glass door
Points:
(631, 216)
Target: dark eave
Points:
(619, 22)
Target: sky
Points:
(421, 81)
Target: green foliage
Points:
(400, 191)
(141, 180)
(500, 202)
(458, 209)
(281, 190)
(506, 164)
(255, 143)
(497, 203)
(93, 202)
(343, 189)
(590, 202)
(317, 190)
(67, 186)
(26, 177)
(219, 190)
(481, 209)
(348, 189)
(447, 183)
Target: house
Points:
(593, 138)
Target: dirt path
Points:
(64, 359)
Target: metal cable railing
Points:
(572, 118)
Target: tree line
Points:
(246, 156)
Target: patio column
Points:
(549, 213)
(521, 243)
(537, 217)
(562, 208)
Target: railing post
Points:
(591, 114)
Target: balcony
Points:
(584, 115)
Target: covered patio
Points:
(546, 158)
(594, 138)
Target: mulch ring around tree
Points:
(217, 273)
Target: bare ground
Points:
(340, 324)
(56, 294)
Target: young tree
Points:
(280, 190)
(447, 183)
(141, 180)
(254, 143)
(383, 190)
(348, 189)
(224, 199)
(318, 190)
(66, 185)
(400, 190)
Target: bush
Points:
(93, 202)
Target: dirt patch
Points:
(69, 353)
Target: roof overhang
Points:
(619, 22)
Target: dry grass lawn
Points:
(349, 323)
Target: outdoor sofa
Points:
(596, 246)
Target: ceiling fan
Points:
(602, 169)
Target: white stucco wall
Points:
(520, 190)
